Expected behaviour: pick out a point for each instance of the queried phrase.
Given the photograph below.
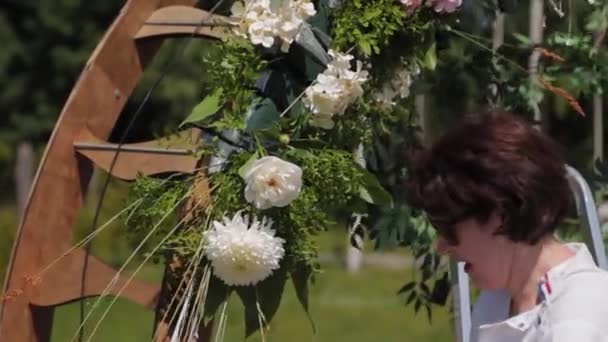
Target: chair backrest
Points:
(587, 212)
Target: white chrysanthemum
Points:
(263, 22)
(272, 182)
(242, 252)
(335, 89)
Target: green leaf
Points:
(598, 20)
(245, 168)
(268, 294)
(394, 227)
(307, 40)
(522, 39)
(209, 106)
(441, 290)
(217, 294)
(263, 116)
(407, 287)
(300, 277)
(430, 57)
(372, 191)
(366, 47)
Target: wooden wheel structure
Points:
(77, 144)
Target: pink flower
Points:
(446, 6)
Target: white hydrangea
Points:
(262, 21)
(241, 252)
(334, 89)
(272, 182)
(398, 87)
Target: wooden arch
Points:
(77, 143)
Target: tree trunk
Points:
(537, 19)
(602, 213)
(354, 257)
(498, 37)
(498, 34)
(24, 174)
(598, 129)
(598, 109)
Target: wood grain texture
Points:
(46, 228)
(184, 20)
(130, 162)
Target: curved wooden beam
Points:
(183, 20)
(171, 154)
(46, 228)
(67, 284)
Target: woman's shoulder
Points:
(581, 295)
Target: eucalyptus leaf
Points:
(323, 37)
(372, 191)
(308, 41)
(207, 107)
(273, 84)
(263, 115)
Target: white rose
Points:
(272, 182)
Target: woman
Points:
(496, 189)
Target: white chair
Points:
(592, 235)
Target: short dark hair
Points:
(490, 161)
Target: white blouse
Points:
(574, 307)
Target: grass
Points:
(345, 307)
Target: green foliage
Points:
(233, 67)
(264, 114)
(332, 174)
(331, 181)
(367, 25)
(401, 226)
(372, 191)
(267, 294)
(207, 107)
(598, 19)
(584, 70)
(154, 209)
(228, 187)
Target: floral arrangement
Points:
(298, 96)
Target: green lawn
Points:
(345, 307)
